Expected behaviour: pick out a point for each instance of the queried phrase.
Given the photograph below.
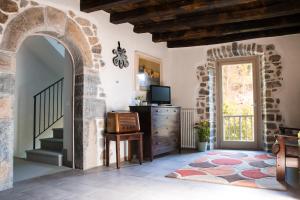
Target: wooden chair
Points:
(287, 151)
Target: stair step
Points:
(52, 144)
(58, 133)
(44, 156)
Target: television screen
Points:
(160, 94)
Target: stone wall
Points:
(270, 70)
(20, 19)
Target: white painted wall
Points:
(182, 74)
(30, 79)
(38, 66)
(179, 65)
(118, 84)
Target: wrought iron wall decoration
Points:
(120, 60)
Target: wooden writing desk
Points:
(117, 137)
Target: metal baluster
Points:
(44, 111)
(61, 98)
(248, 126)
(235, 128)
(34, 121)
(224, 126)
(43, 94)
(240, 124)
(252, 128)
(245, 125)
(49, 106)
(57, 101)
(40, 113)
(53, 104)
(229, 128)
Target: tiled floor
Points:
(24, 170)
(134, 182)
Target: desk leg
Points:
(118, 151)
(107, 151)
(281, 160)
(129, 151)
(141, 149)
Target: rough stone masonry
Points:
(271, 80)
(20, 19)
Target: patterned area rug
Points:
(250, 169)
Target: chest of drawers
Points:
(161, 127)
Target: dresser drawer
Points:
(165, 111)
(164, 144)
(165, 132)
(170, 123)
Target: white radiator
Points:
(188, 120)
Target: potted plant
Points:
(203, 131)
(138, 100)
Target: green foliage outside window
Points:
(234, 129)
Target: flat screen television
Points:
(160, 94)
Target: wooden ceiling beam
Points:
(95, 5)
(233, 37)
(169, 9)
(227, 29)
(289, 7)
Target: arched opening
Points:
(43, 142)
(88, 95)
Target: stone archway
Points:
(271, 80)
(21, 19)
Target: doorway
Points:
(43, 141)
(238, 103)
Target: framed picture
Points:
(147, 71)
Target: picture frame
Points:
(148, 71)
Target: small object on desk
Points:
(138, 136)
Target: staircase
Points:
(48, 110)
(51, 151)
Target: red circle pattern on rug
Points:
(184, 173)
(263, 156)
(226, 161)
(254, 173)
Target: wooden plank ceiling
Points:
(183, 23)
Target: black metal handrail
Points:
(48, 108)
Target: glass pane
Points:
(238, 110)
